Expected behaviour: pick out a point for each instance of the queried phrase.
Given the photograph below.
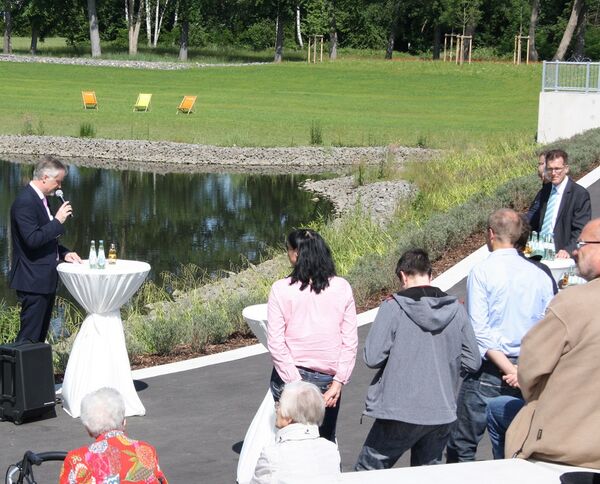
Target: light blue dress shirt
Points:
(506, 296)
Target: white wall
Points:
(564, 114)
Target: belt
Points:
(310, 370)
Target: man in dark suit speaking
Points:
(36, 251)
(564, 206)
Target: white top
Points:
(299, 456)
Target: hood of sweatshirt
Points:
(428, 307)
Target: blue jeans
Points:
(389, 439)
(476, 391)
(500, 413)
(322, 381)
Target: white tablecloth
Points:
(262, 429)
(99, 355)
(558, 267)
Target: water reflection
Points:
(213, 220)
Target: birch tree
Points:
(394, 11)
(155, 13)
(279, 34)
(299, 27)
(134, 23)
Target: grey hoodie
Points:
(420, 339)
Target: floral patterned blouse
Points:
(113, 458)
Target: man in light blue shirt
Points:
(506, 296)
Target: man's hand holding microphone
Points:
(61, 215)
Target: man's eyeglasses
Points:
(581, 243)
(555, 170)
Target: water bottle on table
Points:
(101, 255)
(93, 257)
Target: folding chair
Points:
(187, 105)
(143, 102)
(89, 100)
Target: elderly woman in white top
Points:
(299, 454)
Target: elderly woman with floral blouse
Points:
(112, 457)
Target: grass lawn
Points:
(355, 102)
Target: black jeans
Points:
(322, 381)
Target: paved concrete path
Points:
(197, 419)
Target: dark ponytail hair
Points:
(314, 266)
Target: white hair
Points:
(303, 403)
(103, 410)
(49, 166)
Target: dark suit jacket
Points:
(574, 212)
(35, 245)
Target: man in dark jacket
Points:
(564, 206)
(36, 251)
(420, 340)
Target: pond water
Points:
(217, 221)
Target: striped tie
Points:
(549, 215)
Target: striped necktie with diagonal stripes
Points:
(549, 215)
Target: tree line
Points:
(558, 29)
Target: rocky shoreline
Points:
(166, 157)
(131, 64)
(380, 199)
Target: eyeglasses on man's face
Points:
(581, 243)
(555, 169)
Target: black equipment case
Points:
(26, 381)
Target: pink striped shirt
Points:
(316, 331)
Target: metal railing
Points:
(571, 76)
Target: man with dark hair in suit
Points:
(564, 206)
(36, 251)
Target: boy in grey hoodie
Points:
(420, 341)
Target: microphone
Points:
(59, 193)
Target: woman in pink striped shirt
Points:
(311, 327)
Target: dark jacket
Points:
(574, 212)
(35, 245)
(420, 339)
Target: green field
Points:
(355, 103)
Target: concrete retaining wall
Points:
(565, 114)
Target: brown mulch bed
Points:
(238, 340)
(185, 352)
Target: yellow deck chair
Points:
(89, 100)
(143, 102)
(187, 105)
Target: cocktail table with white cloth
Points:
(559, 266)
(99, 355)
(262, 430)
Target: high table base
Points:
(99, 359)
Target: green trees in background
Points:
(558, 29)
